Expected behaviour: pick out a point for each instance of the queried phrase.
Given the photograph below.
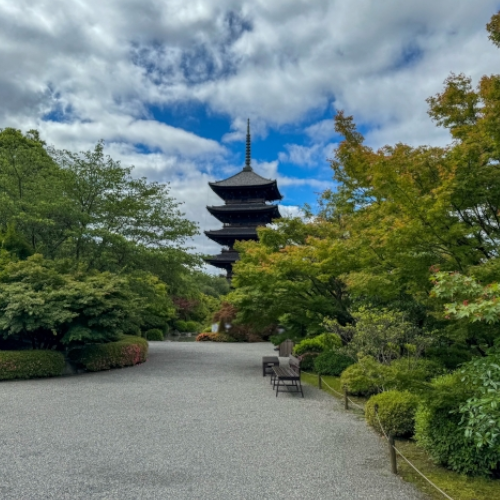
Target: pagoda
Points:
(246, 196)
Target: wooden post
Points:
(346, 400)
(319, 381)
(392, 451)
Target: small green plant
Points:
(396, 411)
(30, 364)
(481, 412)
(154, 334)
(332, 363)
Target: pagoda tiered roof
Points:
(246, 185)
(228, 235)
(245, 212)
(225, 259)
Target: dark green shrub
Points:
(332, 363)
(323, 342)
(437, 430)
(366, 377)
(180, 326)
(396, 411)
(128, 351)
(154, 334)
(30, 364)
(412, 374)
(192, 326)
(451, 357)
(307, 361)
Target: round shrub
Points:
(30, 364)
(331, 363)
(396, 411)
(307, 361)
(154, 334)
(437, 430)
(128, 351)
(323, 342)
(366, 377)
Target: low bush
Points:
(127, 351)
(332, 363)
(214, 337)
(323, 342)
(154, 334)
(307, 361)
(30, 364)
(438, 430)
(366, 377)
(396, 411)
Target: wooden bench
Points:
(287, 376)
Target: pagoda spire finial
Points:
(248, 166)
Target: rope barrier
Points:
(387, 437)
(408, 462)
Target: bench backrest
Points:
(285, 348)
(294, 364)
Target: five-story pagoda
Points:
(246, 196)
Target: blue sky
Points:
(169, 85)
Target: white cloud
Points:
(301, 155)
(84, 71)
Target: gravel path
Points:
(197, 421)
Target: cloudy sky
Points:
(169, 84)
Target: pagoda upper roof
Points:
(247, 179)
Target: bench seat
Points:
(287, 377)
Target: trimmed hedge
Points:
(128, 351)
(214, 337)
(30, 364)
(396, 411)
(332, 363)
(154, 334)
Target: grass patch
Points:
(455, 485)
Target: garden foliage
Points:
(332, 363)
(438, 430)
(30, 364)
(154, 334)
(396, 412)
(127, 351)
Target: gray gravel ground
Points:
(197, 421)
